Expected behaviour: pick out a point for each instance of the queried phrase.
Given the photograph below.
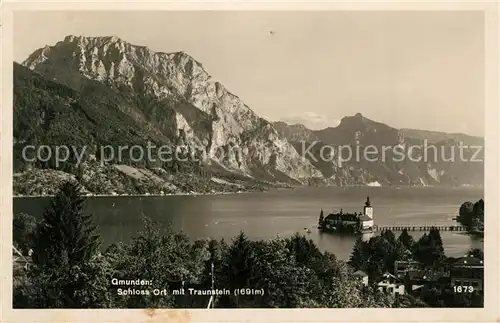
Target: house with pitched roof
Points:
(391, 284)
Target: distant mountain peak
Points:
(289, 124)
(111, 57)
(113, 39)
(73, 38)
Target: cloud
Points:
(312, 120)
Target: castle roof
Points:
(365, 217)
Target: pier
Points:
(420, 227)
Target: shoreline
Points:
(143, 195)
(250, 191)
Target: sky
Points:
(422, 70)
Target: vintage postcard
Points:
(234, 162)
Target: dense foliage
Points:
(50, 113)
(377, 255)
(23, 229)
(321, 220)
(66, 269)
(471, 215)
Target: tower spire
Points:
(367, 203)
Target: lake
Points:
(279, 212)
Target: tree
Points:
(472, 216)
(326, 268)
(344, 291)
(79, 172)
(379, 251)
(165, 258)
(321, 222)
(408, 301)
(436, 247)
(238, 266)
(24, 226)
(406, 239)
(429, 248)
(66, 234)
(285, 282)
(399, 252)
(217, 251)
(466, 209)
(478, 208)
(23, 230)
(359, 255)
(389, 236)
(478, 212)
(386, 250)
(466, 214)
(436, 236)
(67, 270)
(304, 250)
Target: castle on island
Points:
(349, 222)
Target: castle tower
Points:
(368, 210)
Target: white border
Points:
(490, 313)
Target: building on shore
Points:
(468, 272)
(350, 222)
(391, 284)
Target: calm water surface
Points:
(282, 212)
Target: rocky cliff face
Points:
(189, 103)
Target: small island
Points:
(471, 216)
(351, 223)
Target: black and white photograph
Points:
(212, 159)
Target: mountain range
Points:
(103, 91)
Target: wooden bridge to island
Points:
(419, 227)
